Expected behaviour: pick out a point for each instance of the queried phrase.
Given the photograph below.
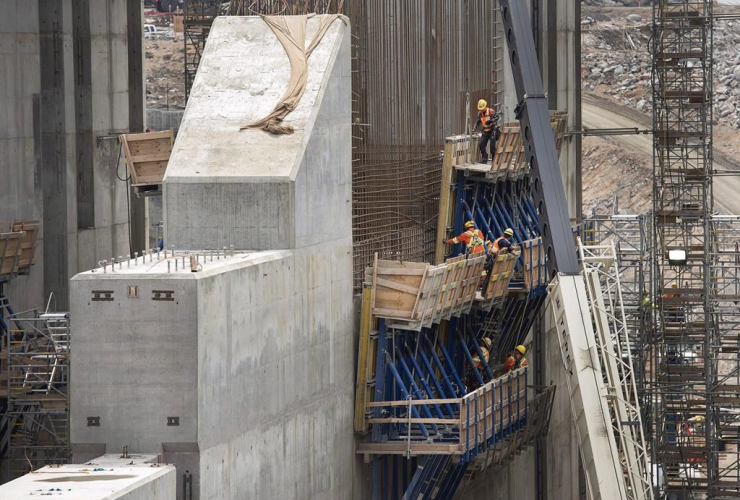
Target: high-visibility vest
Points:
(496, 246)
(476, 358)
(486, 119)
(476, 239)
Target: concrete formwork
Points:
(253, 353)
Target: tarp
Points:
(291, 31)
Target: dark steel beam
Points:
(539, 144)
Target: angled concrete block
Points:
(250, 188)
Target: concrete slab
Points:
(109, 477)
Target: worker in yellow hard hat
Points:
(472, 237)
(502, 243)
(516, 360)
(487, 119)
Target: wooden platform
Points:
(508, 160)
(147, 156)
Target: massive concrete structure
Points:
(72, 78)
(241, 372)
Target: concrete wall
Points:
(65, 89)
(255, 357)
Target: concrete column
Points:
(57, 141)
(561, 62)
(136, 111)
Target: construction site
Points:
(370, 249)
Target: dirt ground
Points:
(165, 64)
(165, 73)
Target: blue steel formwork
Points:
(437, 363)
(424, 448)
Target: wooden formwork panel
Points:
(396, 288)
(412, 295)
(535, 272)
(28, 243)
(429, 295)
(507, 148)
(500, 275)
(147, 156)
(10, 252)
(463, 149)
(470, 279)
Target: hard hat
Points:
(521, 349)
(469, 224)
(674, 285)
(482, 104)
(508, 232)
(486, 341)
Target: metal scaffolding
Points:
(35, 397)
(684, 357)
(614, 345)
(631, 237)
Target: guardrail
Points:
(468, 425)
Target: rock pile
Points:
(616, 62)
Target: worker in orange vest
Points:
(502, 243)
(485, 347)
(516, 360)
(487, 118)
(472, 237)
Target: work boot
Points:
(484, 160)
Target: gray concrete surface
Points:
(62, 97)
(254, 355)
(217, 174)
(164, 119)
(108, 477)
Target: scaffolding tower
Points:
(683, 364)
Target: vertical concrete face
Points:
(217, 172)
(64, 75)
(20, 102)
(562, 72)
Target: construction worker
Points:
(502, 243)
(673, 313)
(516, 360)
(485, 347)
(487, 118)
(472, 237)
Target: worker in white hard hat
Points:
(485, 348)
(503, 243)
(487, 119)
(471, 237)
